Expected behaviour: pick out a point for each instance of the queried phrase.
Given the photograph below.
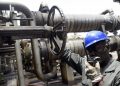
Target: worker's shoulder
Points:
(117, 63)
(113, 66)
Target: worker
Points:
(96, 46)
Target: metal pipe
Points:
(19, 63)
(21, 79)
(83, 23)
(7, 49)
(36, 55)
(74, 23)
(25, 31)
(40, 18)
(17, 7)
(114, 43)
(77, 46)
(37, 59)
(49, 63)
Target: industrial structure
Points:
(29, 40)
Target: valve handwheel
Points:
(57, 39)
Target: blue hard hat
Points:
(93, 37)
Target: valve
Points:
(57, 39)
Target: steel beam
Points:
(25, 31)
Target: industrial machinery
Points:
(45, 33)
